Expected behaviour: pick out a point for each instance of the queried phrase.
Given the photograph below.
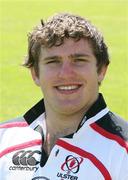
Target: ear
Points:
(102, 73)
(34, 76)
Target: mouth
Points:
(68, 89)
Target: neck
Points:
(64, 124)
(60, 125)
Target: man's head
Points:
(68, 60)
(63, 26)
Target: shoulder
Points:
(10, 125)
(115, 125)
(113, 128)
(17, 121)
(16, 132)
(120, 125)
(15, 126)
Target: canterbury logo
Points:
(25, 158)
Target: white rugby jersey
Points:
(98, 150)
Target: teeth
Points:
(68, 87)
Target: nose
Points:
(67, 70)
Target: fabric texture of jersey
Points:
(98, 150)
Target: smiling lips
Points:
(68, 88)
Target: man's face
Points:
(68, 77)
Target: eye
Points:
(80, 60)
(55, 61)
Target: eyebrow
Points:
(71, 56)
(52, 58)
(79, 55)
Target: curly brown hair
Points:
(61, 26)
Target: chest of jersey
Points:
(72, 163)
(78, 158)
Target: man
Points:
(70, 134)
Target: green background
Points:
(17, 17)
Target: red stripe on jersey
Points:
(21, 146)
(87, 155)
(14, 124)
(109, 135)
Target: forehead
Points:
(69, 47)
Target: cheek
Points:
(93, 77)
(46, 77)
(90, 72)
